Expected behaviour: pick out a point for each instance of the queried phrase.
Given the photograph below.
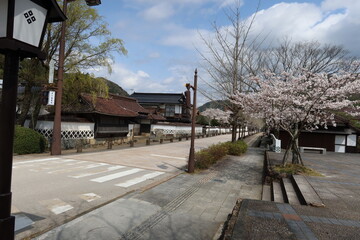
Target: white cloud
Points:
(287, 19)
(158, 12)
(141, 81)
(334, 22)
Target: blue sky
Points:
(161, 36)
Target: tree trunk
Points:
(36, 111)
(294, 147)
(233, 132)
(25, 106)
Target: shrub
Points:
(237, 148)
(28, 141)
(203, 159)
(207, 157)
(218, 151)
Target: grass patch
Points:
(292, 169)
(209, 156)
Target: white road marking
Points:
(61, 209)
(139, 179)
(89, 197)
(78, 162)
(164, 156)
(56, 206)
(36, 161)
(95, 165)
(98, 172)
(68, 160)
(116, 175)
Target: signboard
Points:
(29, 22)
(51, 100)
(3, 18)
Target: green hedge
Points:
(237, 148)
(28, 141)
(209, 156)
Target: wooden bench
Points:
(321, 150)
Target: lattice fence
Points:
(68, 134)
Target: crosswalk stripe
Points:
(75, 163)
(116, 175)
(137, 180)
(68, 160)
(94, 165)
(98, 172)
(36, 161)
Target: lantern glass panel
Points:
(3, 17)
(29, 22)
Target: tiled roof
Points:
(129, 104)
(156, 117)
(114, 105)
(173, 98)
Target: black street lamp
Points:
(191, 163)
(56, 136)
(22, 28)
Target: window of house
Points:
(178, 109)
(169, 110)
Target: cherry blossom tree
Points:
(218, 114)
(305, 101)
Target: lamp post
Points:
(191, 162)
(56, 136)
(22, 28)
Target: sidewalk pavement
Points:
(189, 206)
(339, 190)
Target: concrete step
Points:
(266, 193)
(307, 193)
(277, 192)
(290, 192)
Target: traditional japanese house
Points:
(344, 138)
(173, 106)
(112, 115)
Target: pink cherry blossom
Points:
(305, 101)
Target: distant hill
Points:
(114, 88)
(213, 104)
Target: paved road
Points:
(48, 190)
(189, 206)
